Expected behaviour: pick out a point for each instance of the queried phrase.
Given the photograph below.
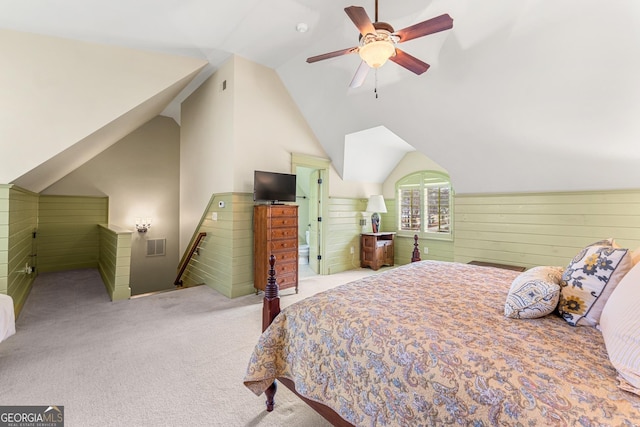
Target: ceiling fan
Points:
(378, 42)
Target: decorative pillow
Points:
(620, 326)
(589, 280)
(534, 293)
(635, 254)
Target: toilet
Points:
(303, 250)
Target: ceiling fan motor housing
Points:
(383, 26)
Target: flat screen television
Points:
(274, 187)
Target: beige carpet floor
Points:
(170, 359)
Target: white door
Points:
(315, 220)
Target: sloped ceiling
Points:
(65, 101)
(529, 95)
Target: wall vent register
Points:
(156, 247)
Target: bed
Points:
(7, 317)
(428, 343)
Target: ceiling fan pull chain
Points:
(375, 85)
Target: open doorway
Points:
(306, 201)
(311, 197)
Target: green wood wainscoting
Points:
(68, 237)
(525, 229)
(115, 260)
(224, 260)
(530, 229)
(18, 221)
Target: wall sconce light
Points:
(143, 225)
(376, 205)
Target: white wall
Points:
(226, 135)
(206, 147)
(140, 176)
(268, 125)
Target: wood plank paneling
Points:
(225, 257)
(343, 233)
(522, 229)
(115, 261)
(4, 238)
(17, 245)
(542, 228)
(68, 234)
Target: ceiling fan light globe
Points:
(376, 53)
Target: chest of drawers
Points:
(275, 232)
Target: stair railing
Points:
(185, 263)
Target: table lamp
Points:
(376, 205)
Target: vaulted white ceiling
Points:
(526, 95)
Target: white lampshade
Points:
(376, 204)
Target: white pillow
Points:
(7, 317)
(620, 326)
(589, 280)
(534, 293)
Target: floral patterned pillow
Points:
(589, 280)
(534, 293)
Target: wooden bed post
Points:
(270, 309)
(415, 256)
(271, 301)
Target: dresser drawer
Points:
(286, 281)
(285, 221)
(284, 245)
(287, 256)
(283, 269)
(284, 233)
(284, 211)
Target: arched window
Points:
(424, 204)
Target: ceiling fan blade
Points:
(361, 74)
(332, 54)
(430, 26)
(359, 17)
(409, 62)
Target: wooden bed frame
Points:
(270, 309)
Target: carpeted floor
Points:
(170, 359)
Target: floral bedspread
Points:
(427, 344)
